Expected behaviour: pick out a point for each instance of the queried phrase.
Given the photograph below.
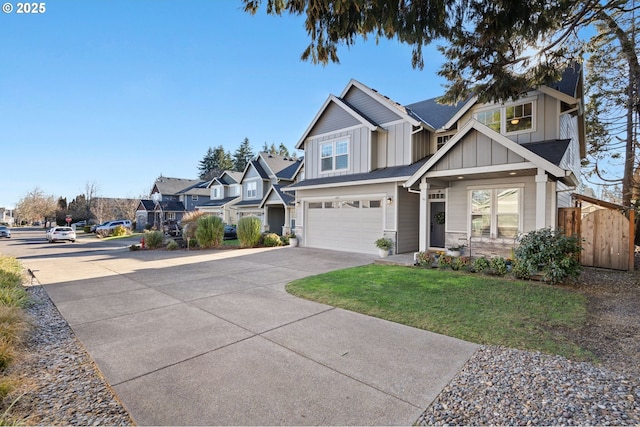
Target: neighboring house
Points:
(195, 195)
(170, 199)
(225, 191)
(432, 176)
(261, 182)
(6, 216)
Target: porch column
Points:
(287, 220)
(541, 199)
(424, 216)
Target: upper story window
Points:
(512, 118)
(334, 156)
(441, 140)
(252, 190)
(215, 193)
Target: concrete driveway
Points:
(212, 338)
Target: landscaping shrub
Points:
(172, 245)
(498, 266)
(271, 239)
(153, 239)
(549, 252)
(190, 222)
(481, 264)
(119, 231)
(425, 259)
(248, 231)
(461, 263)
(445, 261)
(209, 231)
(285, 240)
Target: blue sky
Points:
(117, 92)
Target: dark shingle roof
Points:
(147, 204)
(437, 115)
(384, 173)
(289, 172)
(551, 150)
(171, 205)
(288, 199)
(569, 82)
(253, 202)
(219, 202)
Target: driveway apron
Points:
(212, 338)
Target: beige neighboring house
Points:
(433, 176)
(224, 192)
(6, 216)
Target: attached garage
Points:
(346, 225)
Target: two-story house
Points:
(170, 199)
(225, 191)
(262, 195)
(432, 176)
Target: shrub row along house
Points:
(426, 175)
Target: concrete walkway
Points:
(212, 338)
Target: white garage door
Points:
(349, 225)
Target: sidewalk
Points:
(212, 338)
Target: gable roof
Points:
(289, 173)
(440, 115)
(286, 199)
(520, 149)
(276, 163)
(344, 106)
(570, 80)
(173, 186)
(200, 188)
(402, 111)
(226, 178)
(145, 205)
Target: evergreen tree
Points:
(207, 164)
(242, 155)
(215, 161)
(283, 150)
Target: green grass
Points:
(473, 307)
(231, 242)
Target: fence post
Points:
(632, 238)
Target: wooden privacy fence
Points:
(607, 232)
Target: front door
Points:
(437, 222)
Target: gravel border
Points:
(63, 386)
(502, 386)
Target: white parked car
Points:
(55, 234)
(108, 227)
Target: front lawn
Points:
(472, 307)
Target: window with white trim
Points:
(496, 212)
(508, 119)
(252, 190)
(441, 140)
(216, 192)
(334, 155)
